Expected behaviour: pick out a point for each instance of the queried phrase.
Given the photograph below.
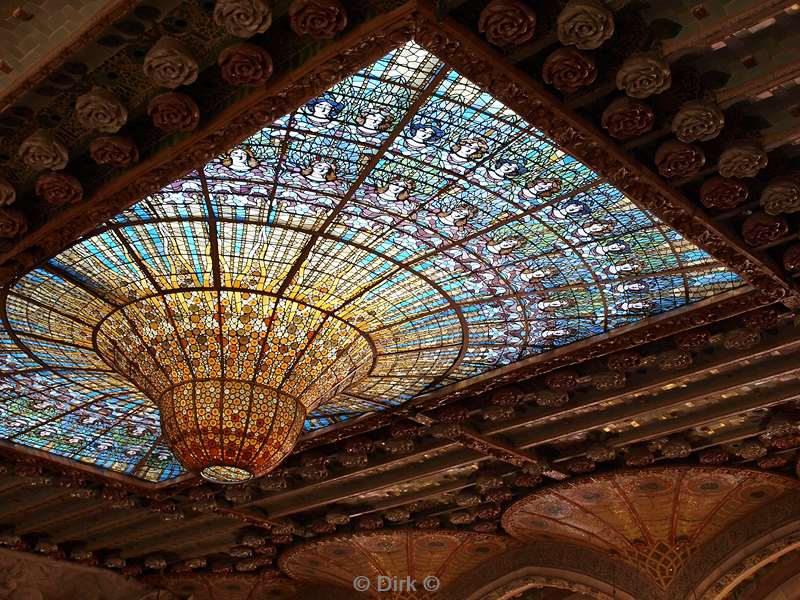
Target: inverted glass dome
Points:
(400, 233)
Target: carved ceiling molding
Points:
(555, 564)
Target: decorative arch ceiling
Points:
(653, 518)
(434, 231)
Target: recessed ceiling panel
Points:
(435, 226)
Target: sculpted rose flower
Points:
(507, 22)
(114, 150)
(742, 160)
(173, 112)
(59, 189)
(791, 259)
(698, 121)
(243, 18)
(317, 18)
(169, 64)
(625, 118)
(760, 228)
(12, 223)
(100, 110)
(245, 64)
(781, 195)
(676, 159)
(568, 70)
(723, 193)
(585, 24)
(42, 151)
(643, 75)
(7, 193)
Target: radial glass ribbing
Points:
(443, 234)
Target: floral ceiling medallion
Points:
(399, 233)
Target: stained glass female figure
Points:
(610, 248)
(556, 334)
(626, 268)
(499, 173)
(632, 287)
(540, 188)
(372, 126)
(554, 304)
(311, 188)
(593, 230)
(536, 274)
(505, 245)
(463, 153)
(319, 116)
(635, 306)
(419, 138)
(238, 173)
(569, 208)
(457, 216)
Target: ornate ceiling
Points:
(558, 244)
(403, 217)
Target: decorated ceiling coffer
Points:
(400, 233)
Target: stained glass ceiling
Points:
(431, 224)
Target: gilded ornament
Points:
(674, 360)
(742, 338)
(676, 448)
(750, 450)
(626, 118)
(714, 456)
(601, 453)
(643, 75)
(58, 189)
(507, 22)
(174, 112)
(765, 318)
(170, 64)
(723, 193)
(114, 151)
(638, 456)
(322, 19)
(568, 70)
(550, 398)
(608, 380)
(760, 228)
(694, 340)
(243, 18)
(100, 110)
(245, 64)
(742, 160)
(791, 259)
(580, 465)
(775, 461)
(585, 24)
(781, 195)
(627, 360)
(565, 380)
(13, 223)
(698, 121)
(7, 193)
(41, 151)
(462, 517)
(676, 159)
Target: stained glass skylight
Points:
(437, 231)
